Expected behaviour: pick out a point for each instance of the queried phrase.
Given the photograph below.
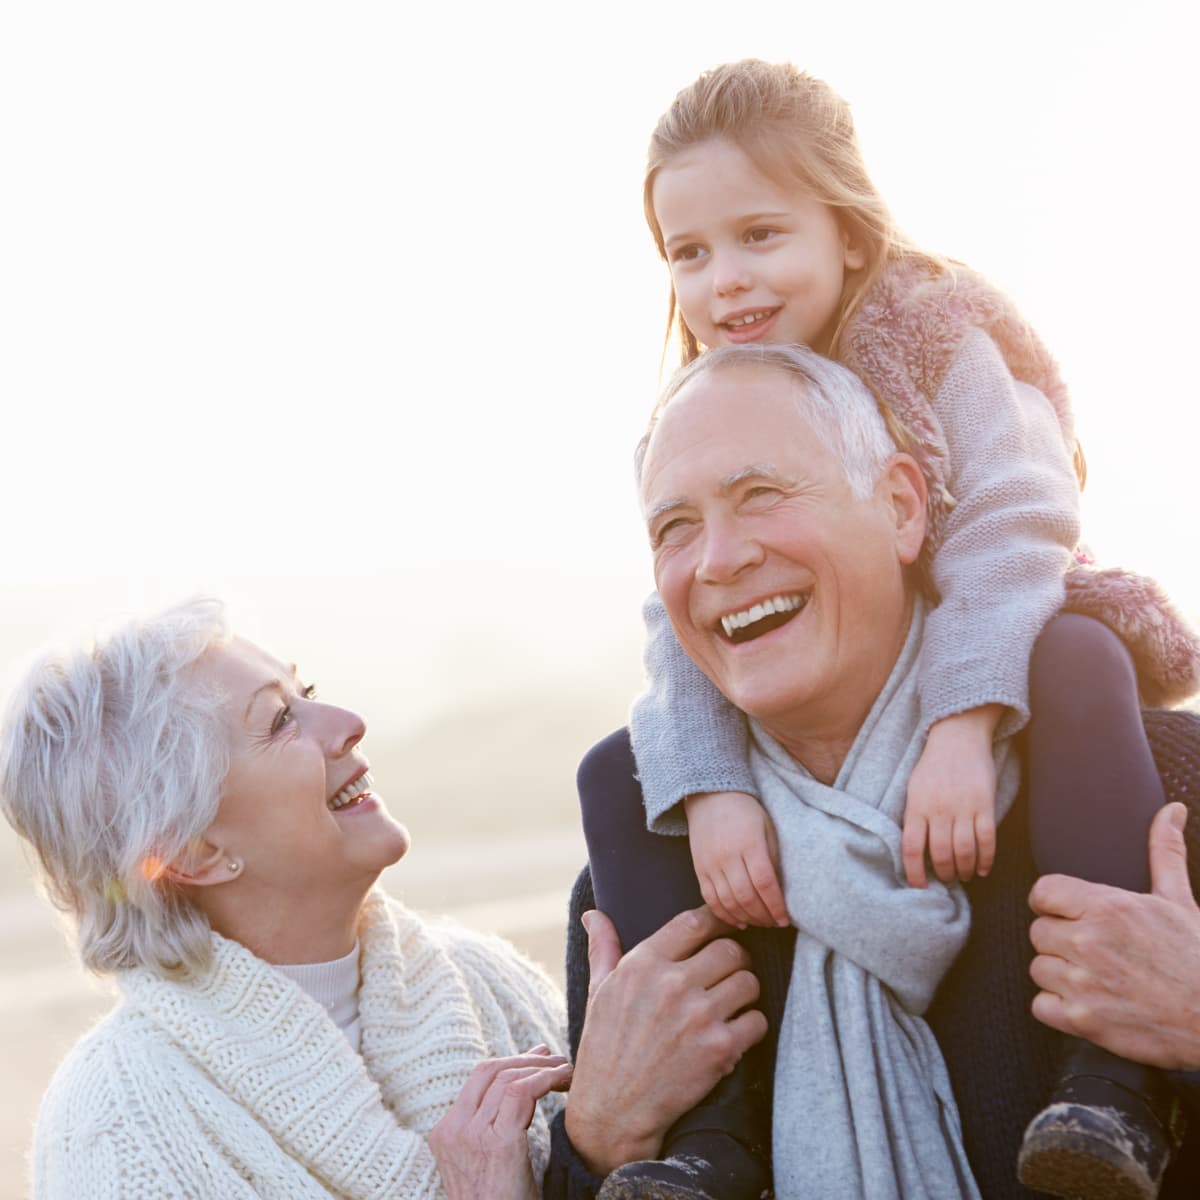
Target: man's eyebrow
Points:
(754, 471)
(272, 685)
(727, 485)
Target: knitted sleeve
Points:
(518, 1008)
(687, 737)
(1008, 542)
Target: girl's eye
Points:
(687, 253)
(759, 234)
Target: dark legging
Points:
(1093, 786)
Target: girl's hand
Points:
(480, 1143)
(736, 855)
(952, 800)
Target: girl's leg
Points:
(1093, 785)
(641, 879)
(718, 1151)
(1093, 791)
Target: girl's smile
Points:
(751, 261)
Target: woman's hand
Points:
(480, 1143)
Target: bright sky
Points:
(355, 301)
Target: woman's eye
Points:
(309, 692)
(761, 495)
(282, 717)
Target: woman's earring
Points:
(234, 867)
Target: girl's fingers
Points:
(964, 849)
(985, 842)
(912, 850)
(941, 851)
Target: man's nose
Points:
(727, 551)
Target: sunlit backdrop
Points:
(348, 312)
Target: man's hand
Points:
(736, 855)
(1120, 968)
(664, 1024)
(951, 801)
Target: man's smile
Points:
(747, 624)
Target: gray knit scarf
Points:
(863, 1105)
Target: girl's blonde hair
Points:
(799, 133)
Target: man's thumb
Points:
(604, 947)
(1168, 856)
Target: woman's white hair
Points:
(111, 765)
(836, 403)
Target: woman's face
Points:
(297, 812)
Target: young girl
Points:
(759, 201)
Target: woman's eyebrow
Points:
(272, 685)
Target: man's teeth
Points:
(736, 322)
(351, 792)
(768, 608)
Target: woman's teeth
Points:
(733, 623)
(351, 792)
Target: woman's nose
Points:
(346, 730)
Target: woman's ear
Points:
(202, 864)
(907, 494)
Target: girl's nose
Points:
(730, 275)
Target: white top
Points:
(334, 986)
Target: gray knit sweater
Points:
(1007, 544)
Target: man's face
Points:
(785, 589)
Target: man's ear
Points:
(201, 865)
(907, 492)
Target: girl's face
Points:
(751, 261)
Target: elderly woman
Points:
(284, 1029)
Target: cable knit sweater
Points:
(233, 1082)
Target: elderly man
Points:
(758, 493)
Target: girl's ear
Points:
(201, 865)
(854, 253)
(907, 492)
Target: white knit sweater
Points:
(236, 1083)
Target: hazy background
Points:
(349, 314)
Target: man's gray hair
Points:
(111, 764)
(836, 403)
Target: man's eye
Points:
(309, 692)
(281, 718)
(672, 530)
